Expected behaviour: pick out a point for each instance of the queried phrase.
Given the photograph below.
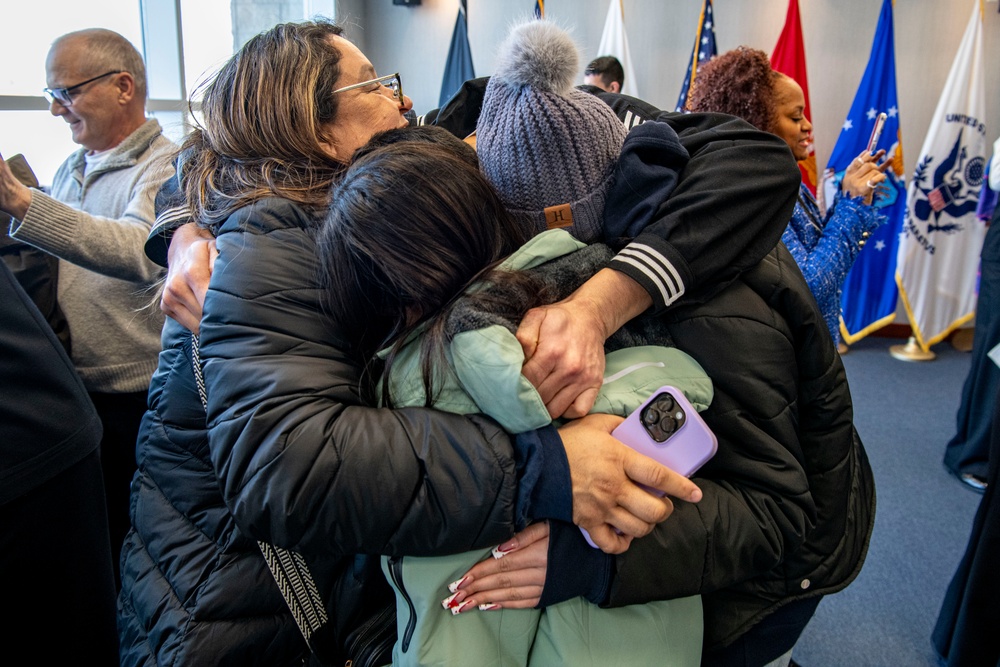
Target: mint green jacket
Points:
(483, 374)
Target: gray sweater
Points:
(97, 225)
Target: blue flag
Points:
(704, 49)
(869, 298)
(458, 69)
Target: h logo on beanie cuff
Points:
(559, 217)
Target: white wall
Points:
(838, 36)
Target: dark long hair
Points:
(264, 116)
(740, 83)
(412, 224)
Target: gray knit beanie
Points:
(548, 148)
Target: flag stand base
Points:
(961, 340)
(911, 352)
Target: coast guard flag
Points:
(869, 298)
(458, 69)
(615, 43)
(539, 9)
(704, 49)
(789, 58)
(939, 251)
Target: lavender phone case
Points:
(673, 434)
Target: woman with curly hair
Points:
(742, 83)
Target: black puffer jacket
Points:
(284, 396)
(185, 557)
(300, 461)
(789, 499)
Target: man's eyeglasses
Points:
(65, 95)
(391, 81)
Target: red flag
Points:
(789, 58)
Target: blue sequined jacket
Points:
(825, 248)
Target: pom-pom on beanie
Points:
(548, 148)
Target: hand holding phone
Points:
(876, 133)
(668, 429)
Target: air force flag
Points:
(869, 297)
(942, 238)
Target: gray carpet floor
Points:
(905, 414)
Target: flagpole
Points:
(911, 351)
(694, 53)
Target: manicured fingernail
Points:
(455, 585)
(489, 606)
(447, 602)
(455, 611)
(504, 549)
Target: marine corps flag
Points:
(869, 298)
(704, 49)
(789, 58)
(942, 239)
(615, 43)
(458, 68)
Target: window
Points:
(207, 27)
(182, 41)
(26, 126)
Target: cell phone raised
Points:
(668, 429)
(876, 133)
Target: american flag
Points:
(704, 49)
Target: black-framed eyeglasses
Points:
(391, 81)
(65, 95)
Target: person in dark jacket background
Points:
(55, 548)
(965, 632)
(606, 73)
(967, 455)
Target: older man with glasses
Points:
(95, 219)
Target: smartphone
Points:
(668, 429)
(22, 172)
(876, 132)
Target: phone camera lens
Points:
(651, 416)
(668, 424)
(665, 402)
(656, 433)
